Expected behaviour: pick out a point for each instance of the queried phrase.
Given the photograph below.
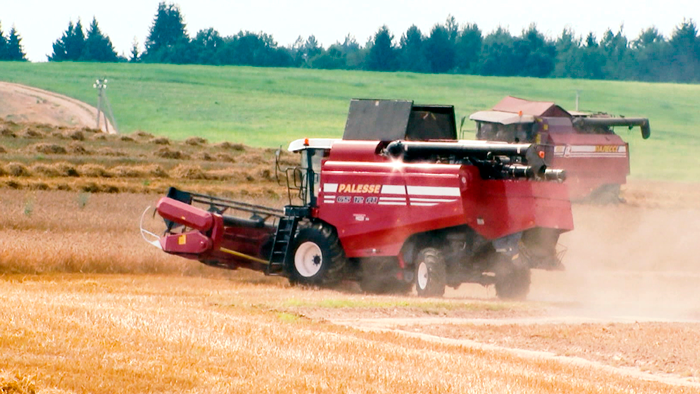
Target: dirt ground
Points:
(20, 103)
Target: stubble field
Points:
(88, 306)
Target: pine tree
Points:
(59, 46)
(440, 50)
(617, 56)
(593, 59)
(685, 52)
(98, 47)
(14, 47)
(134, 54)
(569, 61)
(383, 55)
(468, 48)
(70, 46)
(3, 45)
(167, 39)
(534, 53)
(75, 43)
(311, 48)
(412, 55)
(497, 54)
(651, 56)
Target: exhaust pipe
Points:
(484, 155)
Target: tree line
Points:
(448, 48)
(11, 46)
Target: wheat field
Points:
(117, 334)
(86, 306)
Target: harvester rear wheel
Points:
(431, 274)
(317, 258)
(512, 278)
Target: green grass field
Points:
(270, 107)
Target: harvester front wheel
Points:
(431, 274)
(317, 258)
(512, 278)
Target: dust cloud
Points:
(635, 261)
(628, 261)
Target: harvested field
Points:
(605, 325)
(655, 347)
(88, 306)
(70, 159)
(168, 334)
(65, 231)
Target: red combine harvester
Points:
(596, 160)
(390, 207)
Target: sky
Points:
(41, 22)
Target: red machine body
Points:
(390, 214)
(592, 161)
(595, 158)
(378, 203)
(211, 237)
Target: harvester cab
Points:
(398, 202)
(585, 145)
(304, 178)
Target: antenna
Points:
(101, 85)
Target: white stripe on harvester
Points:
(392, 198)
(393, 189)
(330, 187)
(600, 154)
(416, 199)
(433, 191)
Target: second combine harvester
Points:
(398, 202)
(596, 160)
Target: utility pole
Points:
(102, 101)
(578, 93)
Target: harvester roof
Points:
(535, 108)
(513, 110)
(505, 118)
(315, 143)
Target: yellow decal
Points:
(606, 148)
(355, 188)
(181, 240)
